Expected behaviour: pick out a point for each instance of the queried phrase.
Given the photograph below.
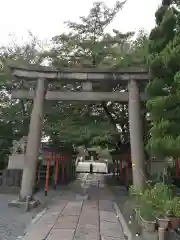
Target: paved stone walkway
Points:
(74, 219)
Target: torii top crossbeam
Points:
(31, 71)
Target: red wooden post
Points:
(177, 168)
(117, 171)
(127, 170)
(48, 159)
(120, 171)
(56, 170)
(62, 165)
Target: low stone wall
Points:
(10, 181)
(9, 190)
(12, 177)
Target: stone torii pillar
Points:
(33, 144)
(136, 135)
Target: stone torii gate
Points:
(42, 79)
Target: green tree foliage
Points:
(164, 87)
(79, 124)
(88, 44)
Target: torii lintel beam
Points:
(77, 96)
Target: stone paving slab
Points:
(66, 222)
(105, 205)
(87, 231)
(73, 208)
(89, 214)
(111, 238)
(108, 216)
(64, 234)
(110, 229)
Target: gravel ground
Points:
(13, 221)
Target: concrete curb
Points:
(38, 216)
(35, 220)
(123, 222)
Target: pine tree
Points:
(164, 86)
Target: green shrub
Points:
(134, 191)
(136, 194)
(147, 211)
(176, 206)
(168, 209)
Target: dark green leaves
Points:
(163, 89)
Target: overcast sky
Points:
(44, 18)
